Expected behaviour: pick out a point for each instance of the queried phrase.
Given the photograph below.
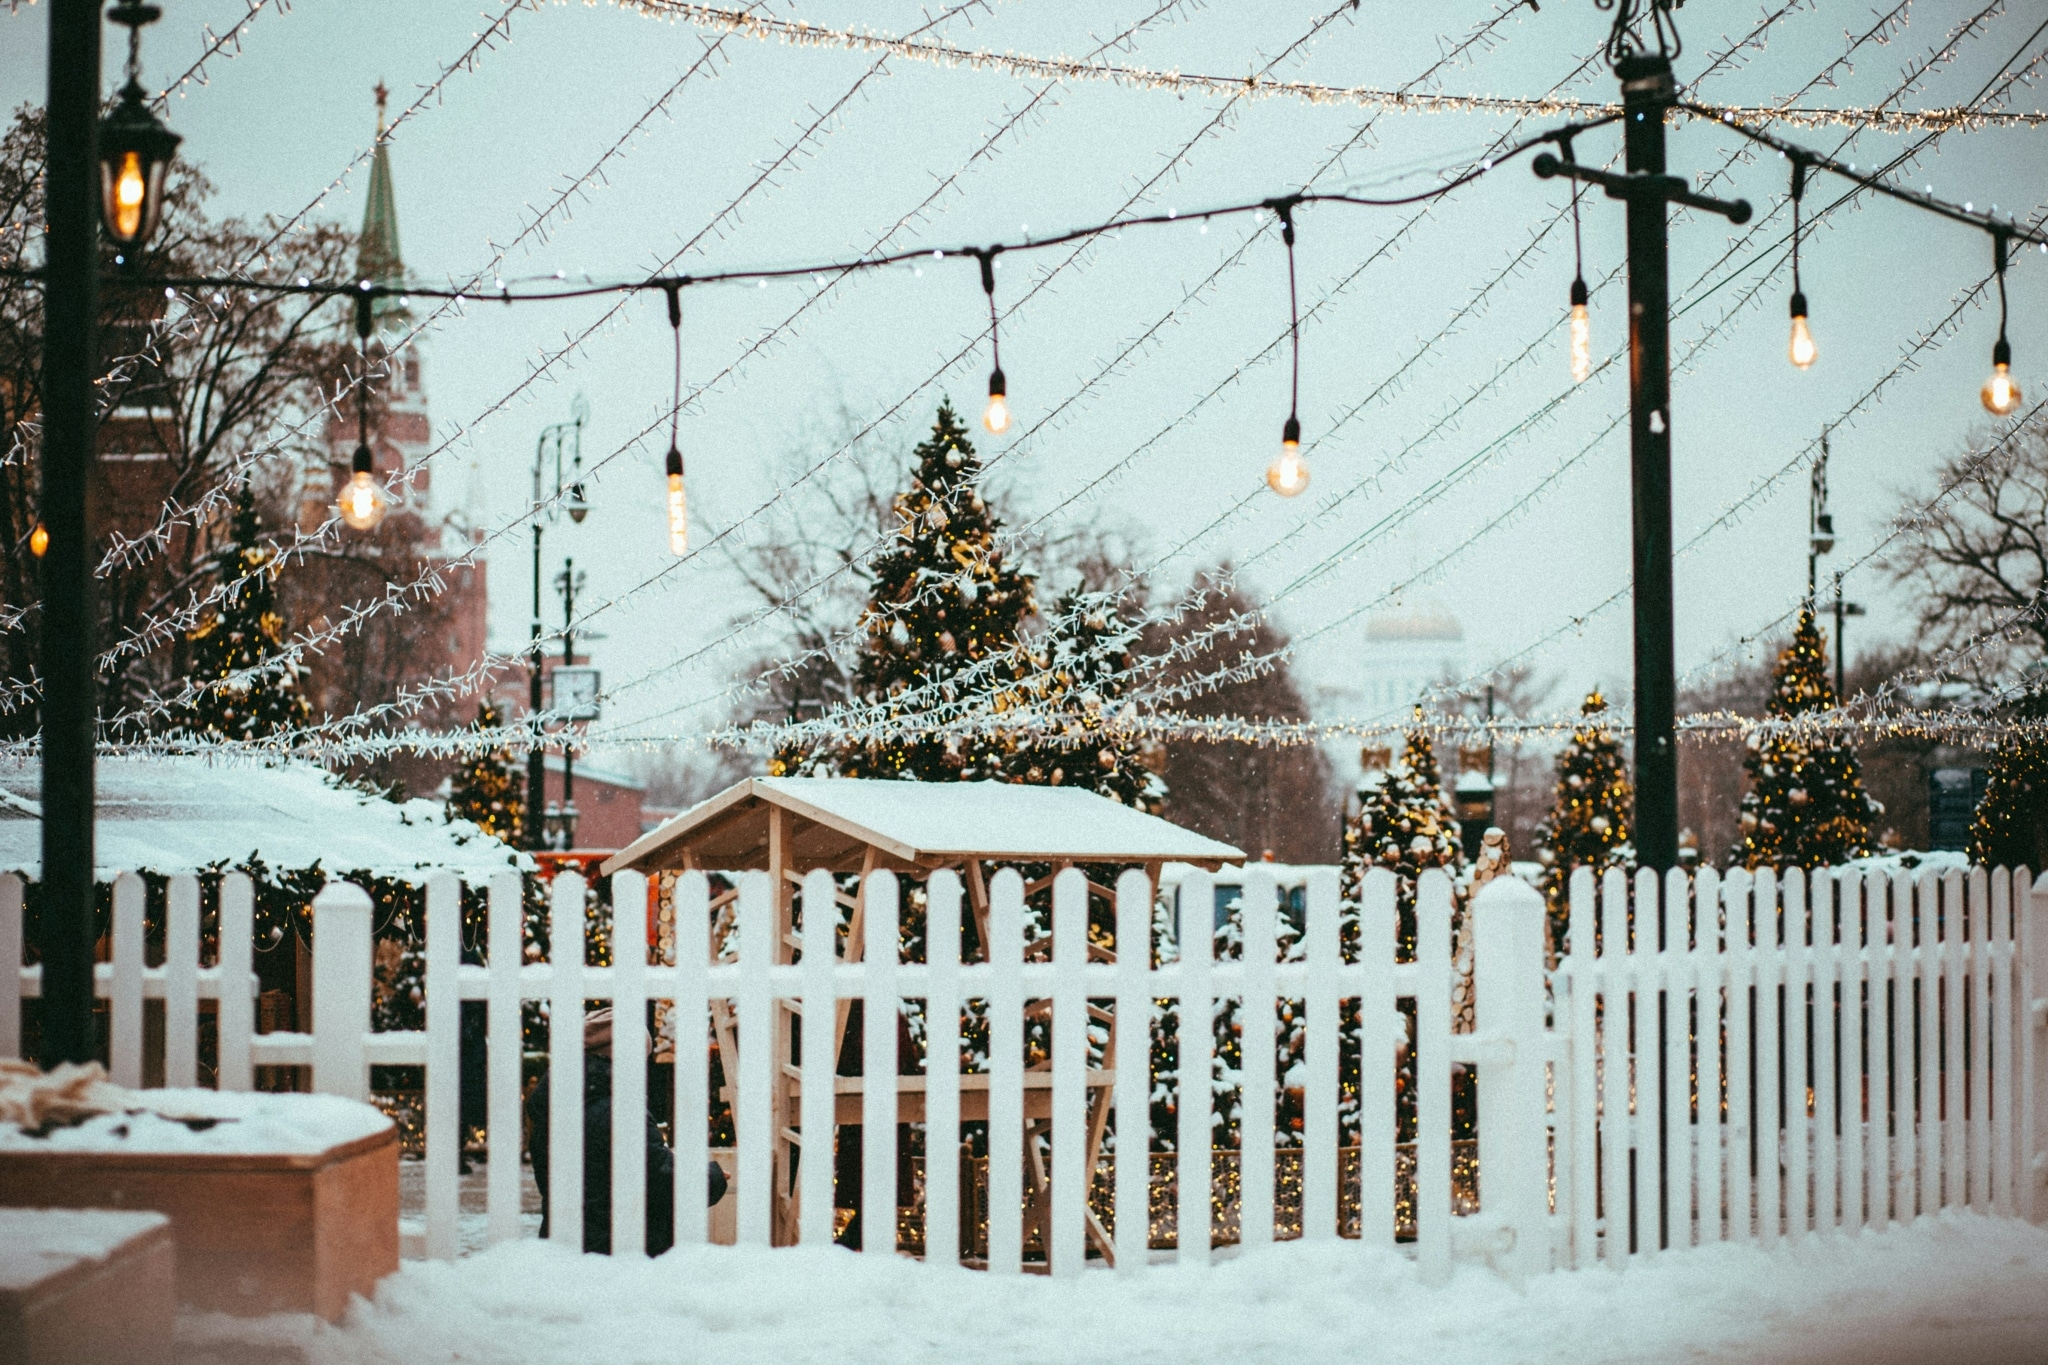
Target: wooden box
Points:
(78, 1287)
(255, 1233)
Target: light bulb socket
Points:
(998, 387)
(1290, 434)
(2001, 354)
(1798, 303)
(675, 463)
(1579, 294)
(363, 462)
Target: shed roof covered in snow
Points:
(175, 815)
(844, 823)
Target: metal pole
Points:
(1841, 614)
(568, 659)
(1647, 91)
(536, 756)
(70, 358)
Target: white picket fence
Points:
(1652, 1095)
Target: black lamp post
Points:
(565, 440)
(126, 193)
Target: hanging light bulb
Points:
(1582, 334)
(364, 501)
(1801, 349)
(2001, 392)
(39, 540)
(997, 418)
(678, 506)
(1288, 474)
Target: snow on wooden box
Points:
(278, 1203)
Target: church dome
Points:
(1424, 623)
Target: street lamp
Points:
(135, 149)
(565, 441)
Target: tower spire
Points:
(377, 252)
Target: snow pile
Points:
(1956, 1288)
(219, 1122)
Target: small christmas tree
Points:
(1590, 817)
(1077, 677)
(488, 789)
(1403, 824)
(246, 631)
(2013, 811)
(1806, 806)
(943, 600)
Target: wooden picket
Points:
(1739, 1057)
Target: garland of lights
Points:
(797, 33)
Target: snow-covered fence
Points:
(1767, 1056)
(1720, 1058)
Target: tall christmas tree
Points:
(1077, 677)
(1806, 806)
(1403, 824)
(943, 600)
(488, 789)
(1591, 815)
(244, 632)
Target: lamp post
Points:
(126, 196)
(565, 440)
(1647, 95)
(568, 582)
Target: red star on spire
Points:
(382, 95)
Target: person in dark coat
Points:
(597, 1151)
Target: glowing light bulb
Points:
(1582, 334)
(678, 506)
(129, 192)
(1801, 349)
(1288, 474)
(364, 501)
(2001, 394)
(997, 418)
(39, 540)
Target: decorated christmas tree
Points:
(1403, 824)
(1806, 806)
(1076, 679)
(2013, 812)
(944, 600)
(1591, 816)
(243, 633)
(489, 789)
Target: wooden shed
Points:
(789, 826)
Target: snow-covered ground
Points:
(1951, 1289)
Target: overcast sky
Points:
(278, 122)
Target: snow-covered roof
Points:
(181, 814)
(833, 821)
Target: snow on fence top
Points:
(172, 815)
(833, 823)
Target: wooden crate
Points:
(81, 1286)
(255, 1233)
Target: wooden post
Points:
(2033, 997)
(1508, 950)
(341, 988)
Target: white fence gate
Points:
(1715, 1058)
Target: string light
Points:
(1582, 322)
(1288, 474)
(363, 502)
(1800, 349)
(997, 418)
(800, 34)
(678, 504)
(39, 541)
(2000, 394)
